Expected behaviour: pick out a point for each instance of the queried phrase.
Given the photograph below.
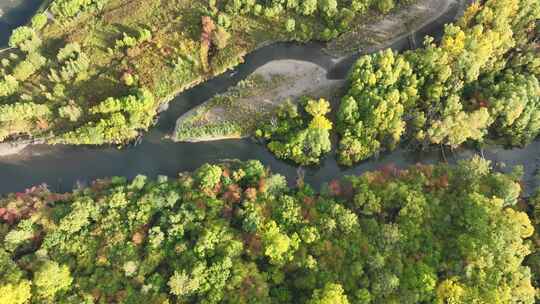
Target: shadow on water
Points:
(61, 167)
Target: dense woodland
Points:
(480, 81)
(97, 71)
(236, 233)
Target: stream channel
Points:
(63, 167)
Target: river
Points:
(63, 167)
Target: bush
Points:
(39, 21)
(290, 25)
(220, 37)
(24, 38)
(293, 136)
(208, 177)
(385, 6)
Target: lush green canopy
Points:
(302, 136)
(236, 233)
(481, 79)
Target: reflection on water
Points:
(62, 167)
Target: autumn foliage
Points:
(235, 233)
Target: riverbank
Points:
(150, 240)
(213, 122)
(382, 32)
(13, 147)
(236, 113)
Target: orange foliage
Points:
(309, 201)
(208, 27)
(390, 171)
(253, 243)
(442, 181)
(200, 204)
(334, 187)
(23, 204)
(427, 170)
(120, 296)
(227, 211)
(42, 124)
(262, 185)
(233, 194)
(250, 194)
(138, 238)
(307, 214)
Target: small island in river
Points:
(239, 111)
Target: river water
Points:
(62, 167)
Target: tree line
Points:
(237, 233)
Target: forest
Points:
(479, 83)
(237, 233)
(98, 71)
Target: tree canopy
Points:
(302, 136)
(479, 81)
(235, 233)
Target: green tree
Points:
(182, 285)
(308, 7)
(297, 138)
(50, 279)
(328, 7)
(29, 66)
(208, 177)
(388, 236)
(370, 116)
(290, 25)
(20, 35)
(15, 293)
(8, 85)
(39, 21)
(385, 6)
(458, 126)
(220, 37)
(331, 294)
(514, 102)
(25, 38)
(441, 93)
(21, 118)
